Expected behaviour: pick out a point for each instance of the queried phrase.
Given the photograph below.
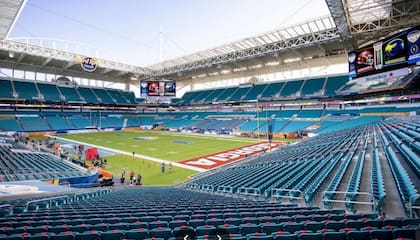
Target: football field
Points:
(162, 145)
(159, 145)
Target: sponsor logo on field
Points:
(225, 157)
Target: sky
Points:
(128, 31)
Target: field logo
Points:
(352, 57)
(89, 64)
(413, 36)
(145, 138)
(413, 46)
(222, 158)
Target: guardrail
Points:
(45, 199)
(225, 189)
(207, 187)
(248, 191)
(278, 193)
(193, 186)
(326, 199)
(5, 206)
(410, 206)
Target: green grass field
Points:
(162, 145)
(150, 171)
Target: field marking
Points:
(137, 155)
(187, 135)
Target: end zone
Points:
(222, 158)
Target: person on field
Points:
(131, 176)
(139, 177)
(163, 167)
(122, 175)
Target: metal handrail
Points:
(372, 202)
(275, 193)
(45, 199)
(411, 206)
(7, 205)
(255, 191)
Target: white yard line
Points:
(195, 135)
(136, 155)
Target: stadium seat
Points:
(409, 233)
(248, 228)
(205, 230)
(160, 232)
(384, 234)
(284, 236)
(63, 236)
(137, 234)
(230, 229)
(196, 222)
(112, 235)
(91, 235)
(257, 236)
(271, 227)
(358, 235)
(334, 236)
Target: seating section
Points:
(322, 162)
(26, 90)
(315, 113)
(117, 96)
(6, 90)
(59, 123)
(17, 165)
(333, 84)
(9, 124)
(294, 89)
(255, 92)
(103, 96)
(291, 89)
(34, 124)
(285, 121)
(159, 213)
(51, 92)
(226, 94)
(313, 87)
(88, 95)
(239, 94)
(70, 94)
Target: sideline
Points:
(136, 155)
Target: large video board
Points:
(394, 52)
(157, 88)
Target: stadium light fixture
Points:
(256, 66)
(290, 60)
(272, 64)
(214, 74)
(239, 69)
(11, 54)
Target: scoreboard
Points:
(157, 88)
(397, 51)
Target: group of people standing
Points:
(138, 180)
(133, 179)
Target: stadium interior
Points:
(345, 159)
